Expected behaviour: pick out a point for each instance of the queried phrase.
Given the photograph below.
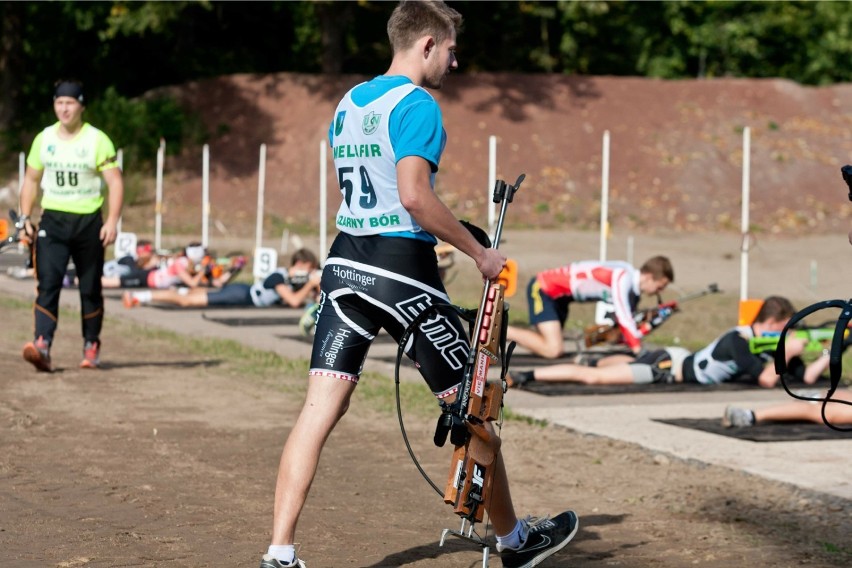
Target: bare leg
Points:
(326, 402)
(619, 359)
(501, 510)
(545, 340)
(801, 411)
(567, 373)
(194, 298)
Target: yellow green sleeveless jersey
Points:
(71, 181)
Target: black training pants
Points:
(62, 236)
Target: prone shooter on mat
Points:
(729, 357)
(294, 287)
(831, 407)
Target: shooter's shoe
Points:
(546, 536)
(91, 355)
(19, 272)
(519, 379)
(129, 300)
(308, 320)
(737, 417)
(270, 562)
(38, 353)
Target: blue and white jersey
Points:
(376, 124)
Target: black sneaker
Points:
(546, 537)
(519, 379)
(270, 562)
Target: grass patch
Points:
(13, 303)
(510, 416)
(236, 359)
(378, 391)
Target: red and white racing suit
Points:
(614, 282)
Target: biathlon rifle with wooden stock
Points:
(646, 320)
(468, 420)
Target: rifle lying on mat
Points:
(646, 320)
(817, 338)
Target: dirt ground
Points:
(167, 457)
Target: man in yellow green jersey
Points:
(70, 160)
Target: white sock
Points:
(515, 539)
(286, 553)
(144, 296)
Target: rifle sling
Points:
(836, 351)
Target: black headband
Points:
(69, 89)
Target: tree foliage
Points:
(133, 47)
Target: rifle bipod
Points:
(469, 535)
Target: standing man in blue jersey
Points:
(69, 160)
(387, 138)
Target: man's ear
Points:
(428, 46)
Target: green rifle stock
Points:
(817, 339)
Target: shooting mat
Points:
(573, 389)
(778, 432)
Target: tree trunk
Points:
(10, 59)
(333, 18)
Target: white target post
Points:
(748, 308)
(261, 190)
(22, 171)
(205, 195)
(265, 260)
(604, 195)
(745, 211)
(158, 203)
(125, 243)
(323, 200)
(604, 310)
(492, 180)
(120, 158)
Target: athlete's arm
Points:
(32, 181)
(296, 298)
(115, 183)
(29, 192)
(188, 279)
(416, 195)
(793, 348)
(623, 310)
